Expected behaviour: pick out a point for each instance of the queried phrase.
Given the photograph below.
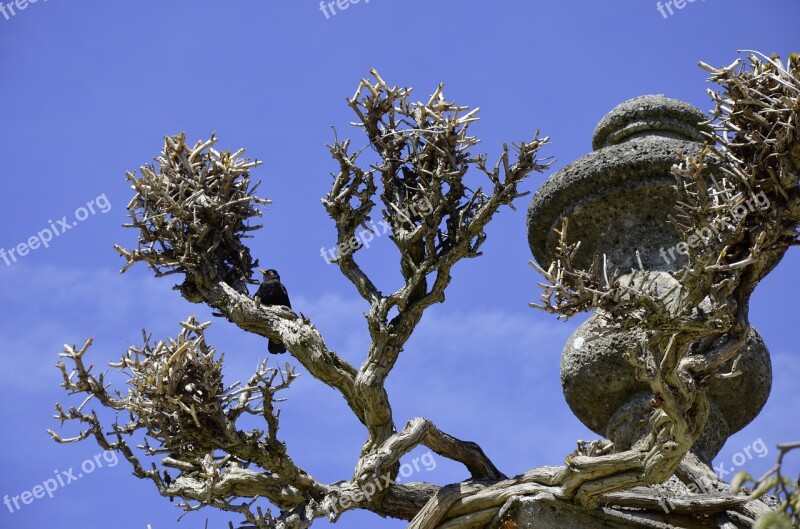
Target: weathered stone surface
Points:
(650, 115)
(598, 382)
(617, 201)
(618, 198)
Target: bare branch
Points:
(435, 218)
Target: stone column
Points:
(618, 200)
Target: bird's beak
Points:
(262, 271)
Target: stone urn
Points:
(618, 200)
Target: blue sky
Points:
(89, 90)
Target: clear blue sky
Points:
(88, 91)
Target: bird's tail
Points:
(275, 348)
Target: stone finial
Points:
(618, 200)
(618, 197)
(647, 116)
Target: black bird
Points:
(272, 292)
(409, 177)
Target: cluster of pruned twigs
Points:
(192, 212)
(758, 115)
(179, 410)
(436, 220)
(424, 151)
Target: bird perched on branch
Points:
(272, 292)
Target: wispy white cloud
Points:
(57, 305)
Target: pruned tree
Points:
(193, 210)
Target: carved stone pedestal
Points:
(618, 200)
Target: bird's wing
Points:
(286, 296)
